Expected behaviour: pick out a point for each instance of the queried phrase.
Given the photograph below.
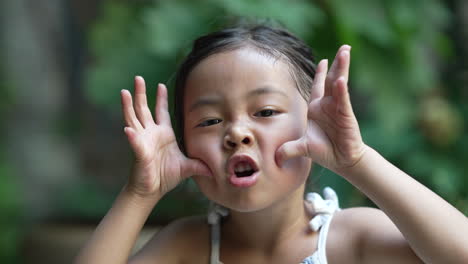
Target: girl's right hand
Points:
(159, 164)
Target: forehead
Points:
(238, 71)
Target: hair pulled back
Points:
(275, 42)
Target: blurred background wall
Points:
(63, 154)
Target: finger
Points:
(291, 150)
(132, 138)
(341, 97)
(194, 167)
(314, 110)
(162, 108)
(337, 65)
(141, 104)
(318, 85)
(340, 67)
(128, 112)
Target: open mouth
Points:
(243, 169)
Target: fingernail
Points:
(345, 53)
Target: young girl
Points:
(254, 112)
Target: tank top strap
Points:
(214, 220)
(323, 209)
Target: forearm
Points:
(115, 236)
(436, 231)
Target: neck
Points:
(267, 228)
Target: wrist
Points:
(139, 197)
(357, 167)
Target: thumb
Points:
(291, 149)
(195, 167)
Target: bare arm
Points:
(435, 230)
(182, 241)
(374, 238)
(159, 167)
(115, 236)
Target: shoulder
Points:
(371, 236)
(359, 222)
(344, 236)
(189, 235)
(355, 217)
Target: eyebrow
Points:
(205, 100)
(210, 100)
(266, 90)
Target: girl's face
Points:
(239, 107)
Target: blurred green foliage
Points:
(11, 214)
(407, 109)
(10, 218)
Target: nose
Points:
(238, 136)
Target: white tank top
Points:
(322, 208)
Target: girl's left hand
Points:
(332, 139)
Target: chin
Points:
(246, 201)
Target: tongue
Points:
(244, 173)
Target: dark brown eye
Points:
(266, 113)
(209, 122)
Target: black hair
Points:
(272, 41)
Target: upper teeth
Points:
(242, 166)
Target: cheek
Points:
(205, 148)
(293, 127)
(287, 131)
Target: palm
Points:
(333, 135)
(156, 153)
(159, 163)
(332, 139)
